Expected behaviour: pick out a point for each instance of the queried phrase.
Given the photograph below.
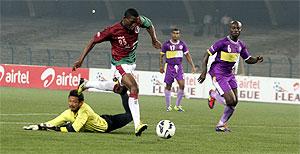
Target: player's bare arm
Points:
(190, 61)
(204, 68)
(255, 60)
(86, 50)
(155, 42)
(161, 65)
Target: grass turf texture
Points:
(256, 127)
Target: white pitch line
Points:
(184, 126)
(27, 114)
(16, 123)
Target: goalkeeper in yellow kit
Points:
(80, 117)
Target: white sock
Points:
(100, 85)
(135, 111)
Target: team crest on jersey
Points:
(137, 29)
(180, 47)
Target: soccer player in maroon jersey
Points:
(228, 51)
(123, 37)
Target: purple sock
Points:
(228, 111)
(218, 97)
(168, 97)
(180, 94)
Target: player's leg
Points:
(120, 120)
(228, 111)
(233, 98)
(117, 121)
(215, 94)
(124, 73)
(129, 81)
(235, 91)
(100, 85)
(211, 99)
(168, 96)
(125, 104)
(229, 87)
(180, 94)
(169, 79)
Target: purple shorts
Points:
(173, 71)
(224, 83)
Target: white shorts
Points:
(120, 70)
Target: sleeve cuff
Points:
(209, 52)
(247, 58)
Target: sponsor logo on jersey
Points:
(180, 47)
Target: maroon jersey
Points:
(123, 41)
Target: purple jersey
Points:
(174, 51)
(228, 52)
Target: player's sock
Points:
(218, 97)
(180, 94)
(168, 97)
(135, 109)
(100, 85)
(228, 111)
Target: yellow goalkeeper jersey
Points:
(85, 119)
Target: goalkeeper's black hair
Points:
(75, 94)
(131, 12)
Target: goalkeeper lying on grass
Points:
(81, 117)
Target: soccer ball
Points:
(165, 129)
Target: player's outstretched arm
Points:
(146, 23)
(255, 60)
(155, 42)
(204, 68)
(190, 61)
(86, 50)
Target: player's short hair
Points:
(175, 29)
(75, 94)
(131, 12)
(236, 22)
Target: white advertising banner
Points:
(152, 83)
(255, 89)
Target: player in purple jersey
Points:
(228, 51)
(174, 50)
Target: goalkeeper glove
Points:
(42, 126)
(31, 127)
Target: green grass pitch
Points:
(256, 127)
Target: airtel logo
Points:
(14, 76)
(2, 72)
(49, 76)
(48, 72)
